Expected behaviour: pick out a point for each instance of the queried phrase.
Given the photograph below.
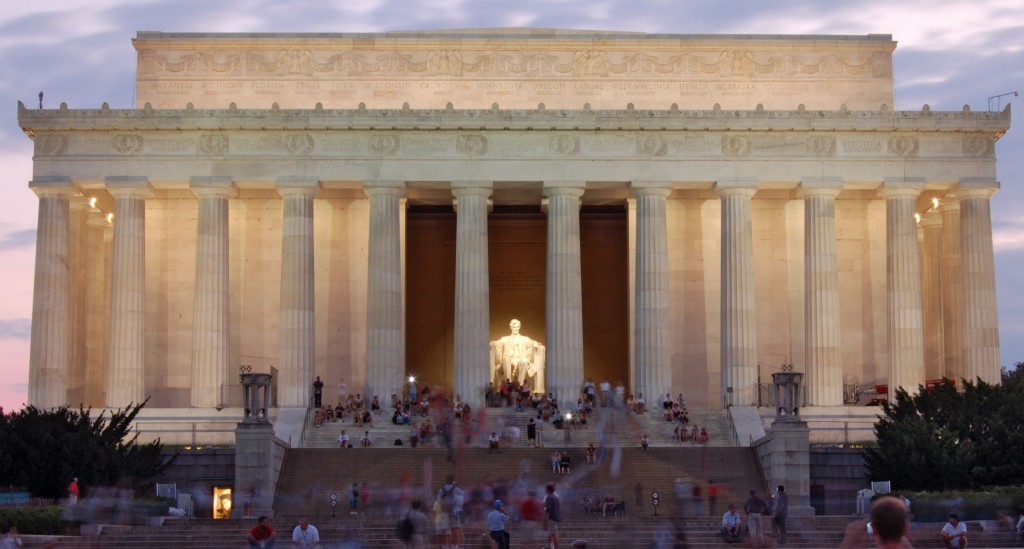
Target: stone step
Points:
(609, 424)
(377, 531)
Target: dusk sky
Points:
(950, 53)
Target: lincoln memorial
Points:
(681, 213)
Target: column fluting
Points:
(384, 336)
(127, 334)
(472, 291)
(739, 320)
(653, 375)
(297, 335)
(931, 295)
(821, 296)
(981, 319)
(564, 291)
(49, 349)
(211, 322)
(952, 289)
(903, 267)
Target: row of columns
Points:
(966, 284)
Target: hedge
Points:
(37, 520)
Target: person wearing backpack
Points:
(452, 499)
(413, 526)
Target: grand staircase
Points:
(390, 477)
(376, 530)
(608, 423)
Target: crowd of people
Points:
(416, 402)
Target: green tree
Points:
(43, 449)
(942, 439)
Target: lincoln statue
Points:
(517, 357)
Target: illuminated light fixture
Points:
(412, 379)
(935, 202)
(110, 218)
(92, 202)
(917, 217)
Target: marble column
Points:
(903, 269)
(653, 375)
(211, 320)
(297, 326)
(384, 342)
(472, 290)
(49, 349)
(76, 300)
(981, 321)
(739, 319)
(96, 300)
(952, 289)
(821, 294)
(564, 299)
(931, 295)
(126, 356)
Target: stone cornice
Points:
(33, 121)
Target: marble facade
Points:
(259, 189)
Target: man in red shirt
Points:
(263, 535)
(73, 491)
(530, 513)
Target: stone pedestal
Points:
(564, 328)
(786, 460)
(785, 451)
(472, 291)
(258, 452)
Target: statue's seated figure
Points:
(519, 358)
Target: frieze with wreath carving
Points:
(577, 64)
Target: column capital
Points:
(213, 186)
(298, 185)
(650, 188)
(931, 218)
(381, 187)
(78, 202)
(466, 187)
(96, 218)
(736, 186)
(949, 203)
(128, 185)
(819, 186)
(901, 186)
(52, 185)
(564, 188)
(976, 187)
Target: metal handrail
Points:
(732, 427)
(305, 422)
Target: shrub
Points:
(37, 520)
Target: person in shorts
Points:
(552, 514)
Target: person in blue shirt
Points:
(496, 520)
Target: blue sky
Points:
(950, 53)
